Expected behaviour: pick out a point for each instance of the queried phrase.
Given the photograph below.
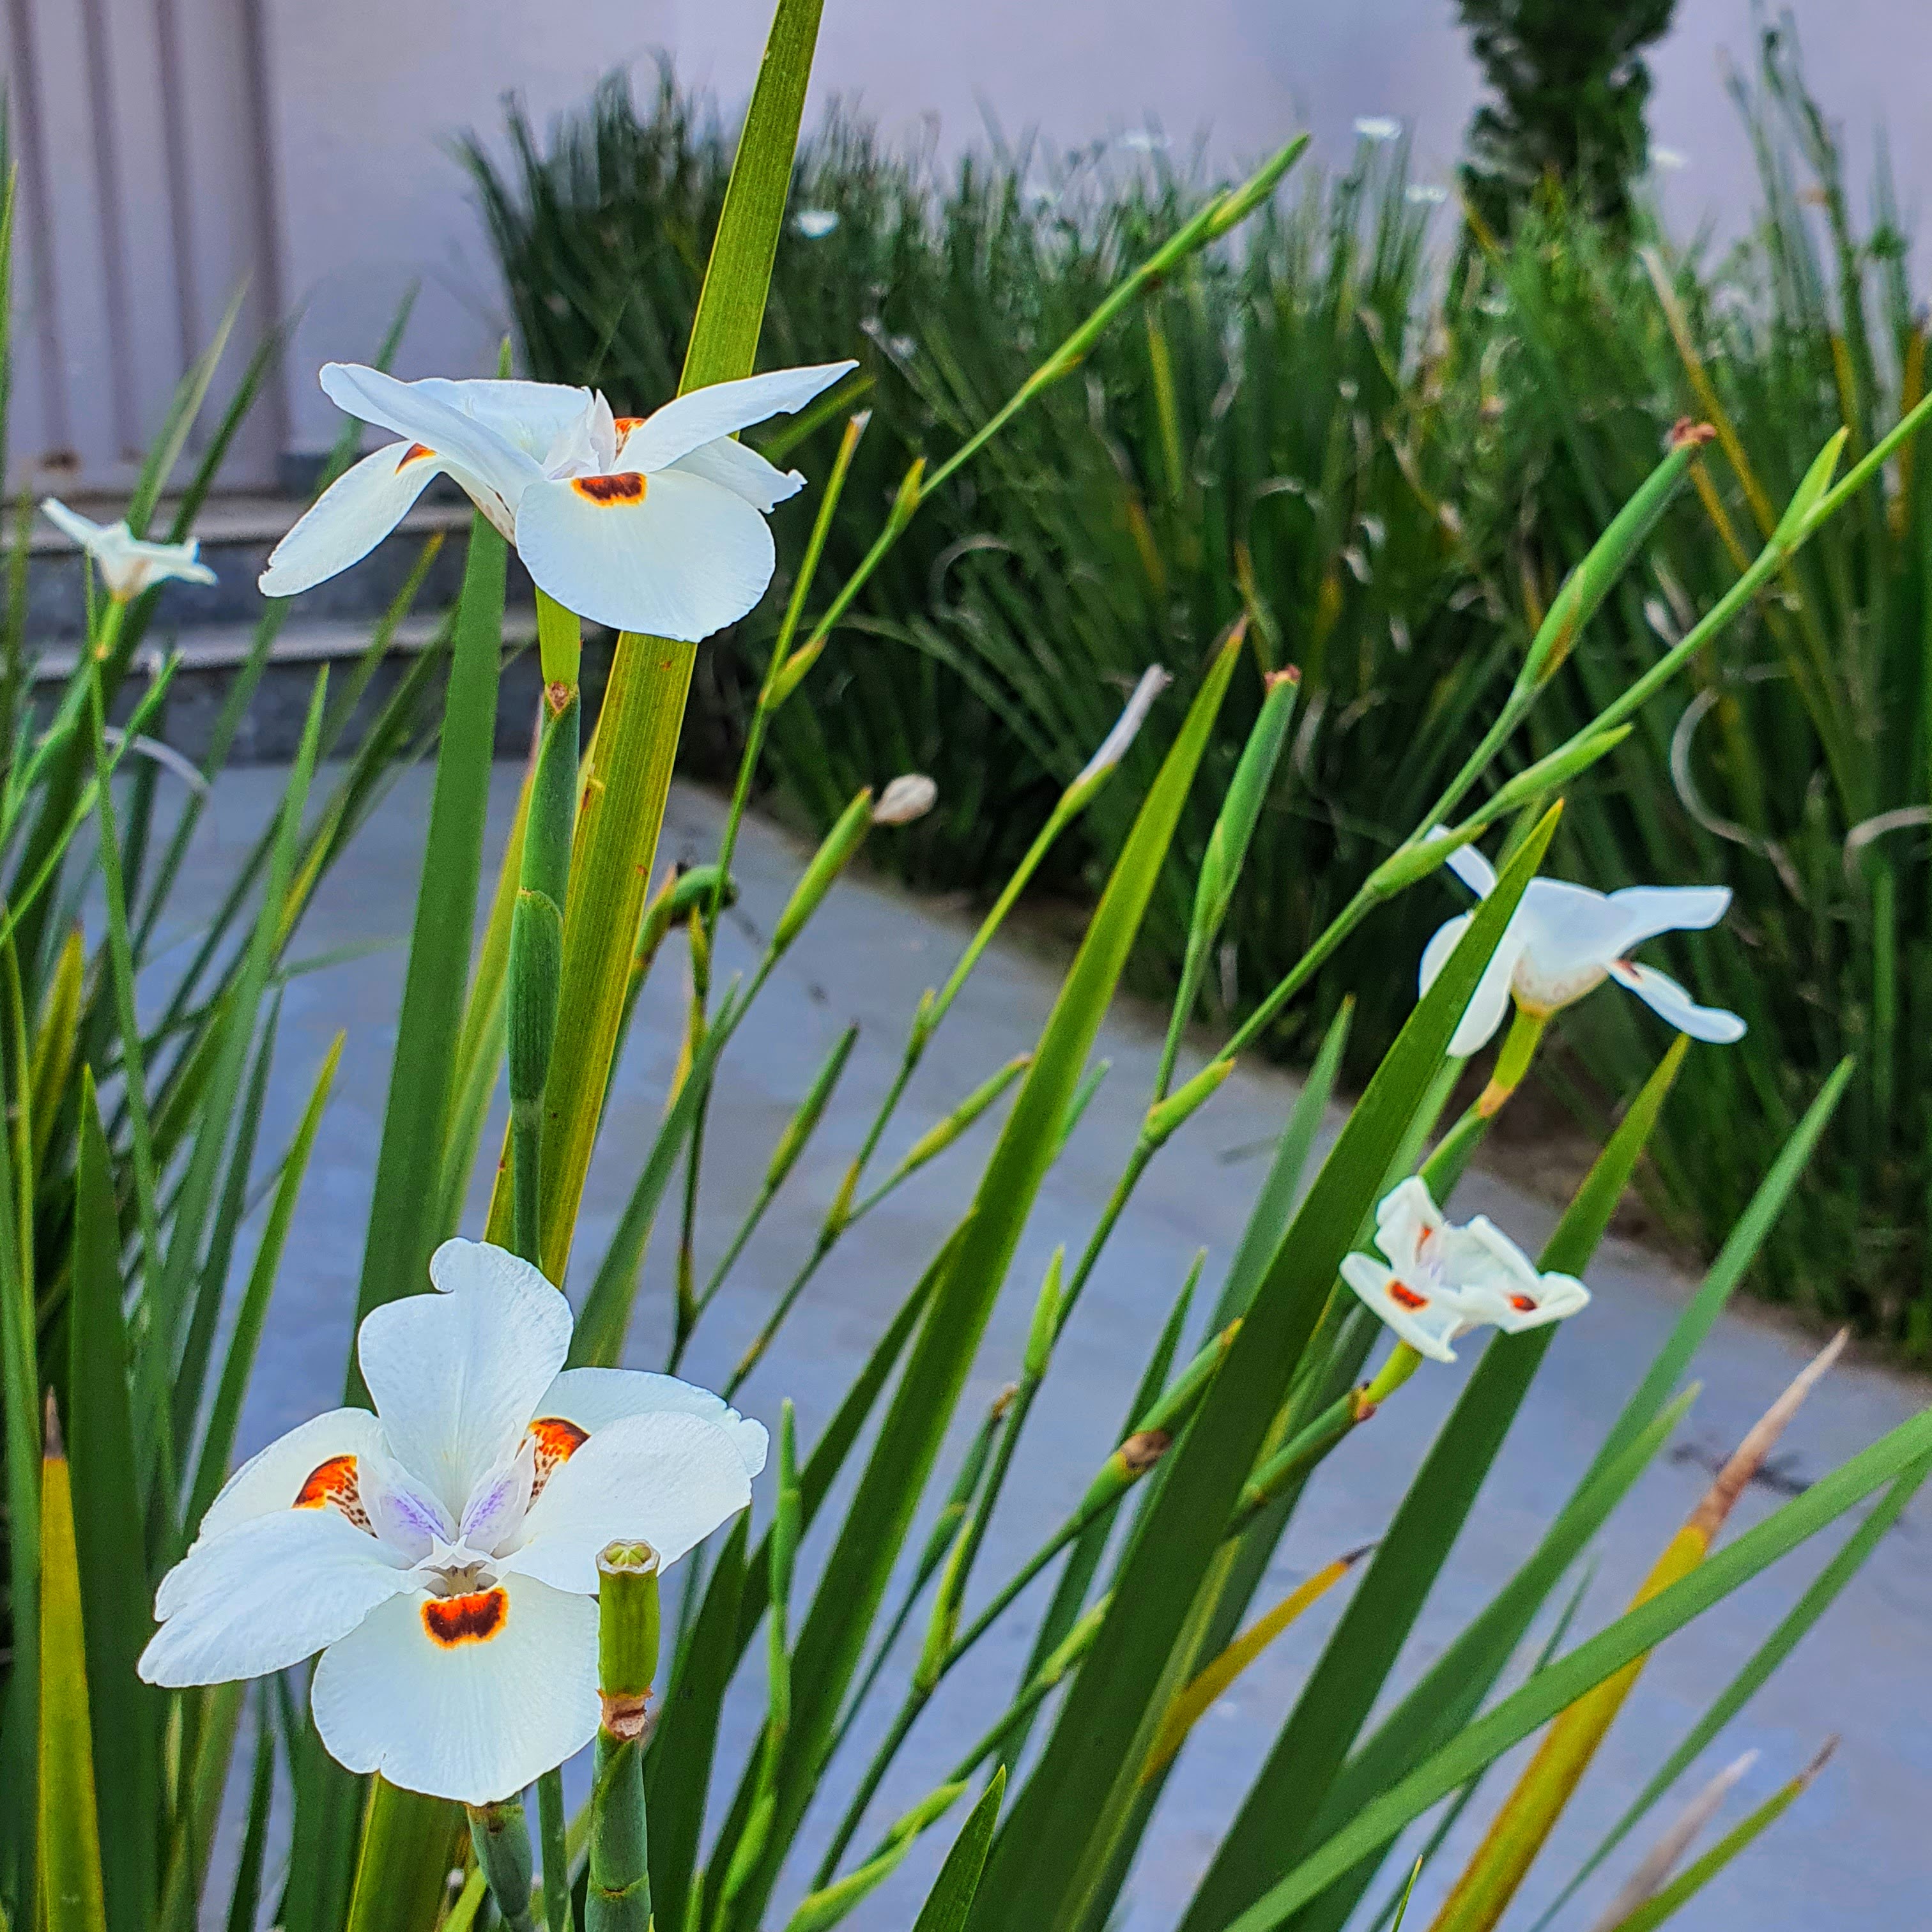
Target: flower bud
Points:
(627, 1634)
(911, 796)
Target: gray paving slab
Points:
(1855, 1851)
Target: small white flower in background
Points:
(1441, 1280)
(815, 223)
(1378, 127)
(1426, 194)
(1564, 941)
(911, 795)
(1670, 158)
(653, 523)
(127, 565)
(442, 1552)
(1144, 141)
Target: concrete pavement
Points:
(1854, 1851)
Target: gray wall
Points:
(370, 202)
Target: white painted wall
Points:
(366, 92)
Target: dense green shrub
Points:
(1389, 465)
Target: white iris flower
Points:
(1564, 941)
(442, 1552)
(1441, 1280)
(650, 523)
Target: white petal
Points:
(456, 1375)
(1571, 930)
(743, 471)
(1428, 1329)
(350, 518)
(531, 416)
(681, 558)
(423, 415)
(1492, 1273)
(1664, 996)
(1406, 1216)
(71, 524)
(723, 409)
(1490, 1000)
(265, 1595)
(1470, 866)
(1644, 911)
(595, 1398)
(271, 1479)
(669, 1479)
(475, 1720)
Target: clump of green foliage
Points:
(1567, 88)
(1389, 462)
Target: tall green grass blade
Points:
(400, 1236)
(218, 1445)
(244, 1896)
(116, 1608)
(71, 1894)
(677, 1771)
(1349, 1680)
(1698, 1874)
(950, 1903)
(1791, 1629)
(834, 1632)
(1551, 1691)
(1059, 1837)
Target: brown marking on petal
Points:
(452, 1621)
(607, 490)
(556, 1442)
(1407, 1298)
(417, 452)
(623, 425)
(1526, 1304)
(334, 1481)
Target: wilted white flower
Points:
(1564, 941)
(442, 1552)
(1441, 1280)
(911, 795)
(815, 224)
(1126, 727)
(1378, 127)
(653, 523)
(127, 565)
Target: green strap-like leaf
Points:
(1059, 1837)
(834, 1633)
(115, 1600)
(950, 1900)
(1637, 1631)
(1345, 1684)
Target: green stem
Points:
(553, 1830)
(500, 1836)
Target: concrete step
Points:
(271, 730)
(236, 534)
(213, 626)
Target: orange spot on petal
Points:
(1407, 1298)
(452, 1621)
(625, 424)
(334, 1481)
(417, 452)
(556, 1442)
(1526, 1304)
(608, 490)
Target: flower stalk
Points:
(499, 1834)
(617, 1892)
